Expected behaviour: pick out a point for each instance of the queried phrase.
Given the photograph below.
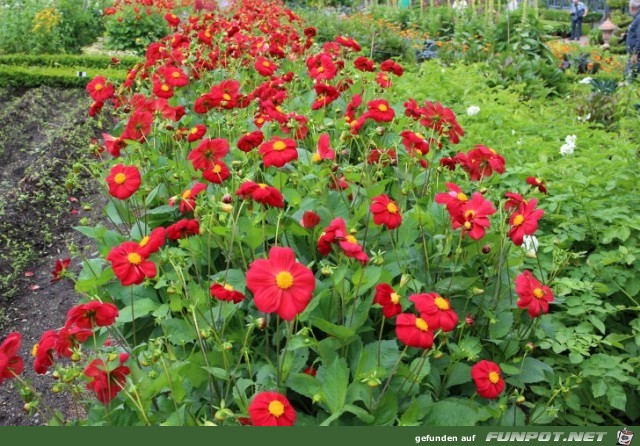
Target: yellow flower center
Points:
(284, 280)
(259, 120)
(266, 63)
(144, 241)
(462, 197)
(469, 214)
(98, 87)
(385, 78)
(262, 186)
(186, 194)
(134, 258)
(226, 97)
(321, 70)
(194, 130)
(421, 324)
(164, 87)
(392, 208)
(494, 377)
(383, 108)
(120, 178)
(493, 151)
(34, 350)
(175, 74)
(419, 135)
(351, 239)
(217, 168)
(276, 408)
(441, 303)
(279, 146)
(538, 293)
(467, 225)
(395, 298)
(316, 158)
(518, 220)
(228, 287)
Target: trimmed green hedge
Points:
(64, 77)
(66, 60)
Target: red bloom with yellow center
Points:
(363, 64)
(455, 199)
(61, 269)
(207, 152)
(473, 217)
(442, 120)
(174, 76)
(151, 243)
(524, 221)
(99, 89)
(43, 352)
(196, 132)
(188, 198)
(537, 182)
(92, 314)
(250, 141)
(391, 66)
(436, 310)
(380, 111)
(388, 299)
(123, 181)
(280, 284)
(488, 379)
(326, 94)
(534, 296)
(385, 212)
(278, 151)
(183, 228)
(414, 331)
(226, 292)
(130, 265)
(336, 230)
(106, 383)
(271, 409)
(217, 174)
(161, 89)
(482, 161)
(321, 67)
(383, 80)
(325, 152)
(10, 363)
(309, 220)
(265, 67)
(261, 193)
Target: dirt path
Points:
(43, 132)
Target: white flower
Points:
(586, 80)
(530, 245)
(567, 149)
(571, 140)
(473, 110)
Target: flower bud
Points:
(468, 320)
(486, 249)
(75, 356)
(477, 291)
(227, 198)
(521, 399)
(226, 346)
(260, 323)
(529, 347)
(226, 208)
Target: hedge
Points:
(66, 60)
(64, 77)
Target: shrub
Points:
(128, 30)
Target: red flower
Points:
(310, 220)
(326, 94)
(363, 64)
(43, 352)
(482, 161)
(380, 111)
(183, 228)
(278, 151)
(514, 200)
(226, 292)
(113, 145)
(172, 19)
(151, 243)
(442, 120)
(280, 284)
(389, 299)
(321, 67)
(488, 379)
(392, 67)
(414, 143)
(385, 212)
(411, 109)
(473, 217)
(383, 80)
(250, 141)
(61, 269)
(162, 89)
(271, 409)
(336, 230)
(524, 221)
(188, 198)
(264, 67)
(130, 265)
(99, 89)
(325, 152)
(537, 182)
(123, 181)
(196, 132)
(217, 174)
(10, 363)
(436, 310)
(348, 42)
(69, 338)
(261, 193)
(352, 107)
(92, 314)
(455, 199)
(138, 126)
(413, 331)
(311, 371)
(351, 248)
(106, 383)
(174, 76)
(533, 295)
(207, 152)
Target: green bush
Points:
(66, 77)
(65, 60)
(130, 31)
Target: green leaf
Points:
(416, 411)
(617, 397)
(179, 331)
(217, 372)
(454, 284)
(533, 371)
(502, 326)
(359, 412)
(514, 416)
(365, 278)
(368, 363)
(340, 332)
(598, 388)
(460, 373)
(334, 380)
(387, 410)
(304, 384)
(140, 308)
(452, 412)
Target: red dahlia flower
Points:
(336, 230)
(196, 132)
(250, 140)
(534, 296)
(99, 89)
(265, 67)
(130, 265)
(436, 310)
(380, 111)
(321, 67)
(271, 409)
(69, 338)
(325, 152)
(413, 331)
(385, 212)
(280, 284)
(174, 76)
(363, 64)
(388, 299)
(310, 220)
(207, 152)
(106, 383)
(482, 161)
(161, 89)
(326, 94)
(348, 42)
(261, 193)
(442, 120)
(188, 198)
(488, 379)
(383, 80)
(514, 200)
(351, 248)
(524, 221)
(151, 243)
(226, 292)
(123, 181)
(473, 217)
(43, 352)
(172, 19)
(61, 269)
(537, 182)
(278, 151)
(138, 126)
(217, 174)
(455, 199)
(92, 314)
(10, 363)
(392, 67)
(183, 228)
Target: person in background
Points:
(578, 10)
(633, 40)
